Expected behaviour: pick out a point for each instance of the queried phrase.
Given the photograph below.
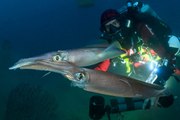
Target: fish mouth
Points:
(29, 63)
(35, 64)
(64, 68)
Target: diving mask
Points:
(112, 26)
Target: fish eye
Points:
(80, 76)
(56, 58)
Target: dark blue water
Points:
(33, 27)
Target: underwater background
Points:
(32, 27)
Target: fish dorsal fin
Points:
(155, 86)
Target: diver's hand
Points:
(135, 57)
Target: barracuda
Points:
(80, 57)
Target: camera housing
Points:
(97, 107)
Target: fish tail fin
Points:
(114, 45)
(114, 49)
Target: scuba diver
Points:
(144, 36)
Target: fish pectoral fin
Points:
(46, 74)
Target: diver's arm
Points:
(103, 66)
